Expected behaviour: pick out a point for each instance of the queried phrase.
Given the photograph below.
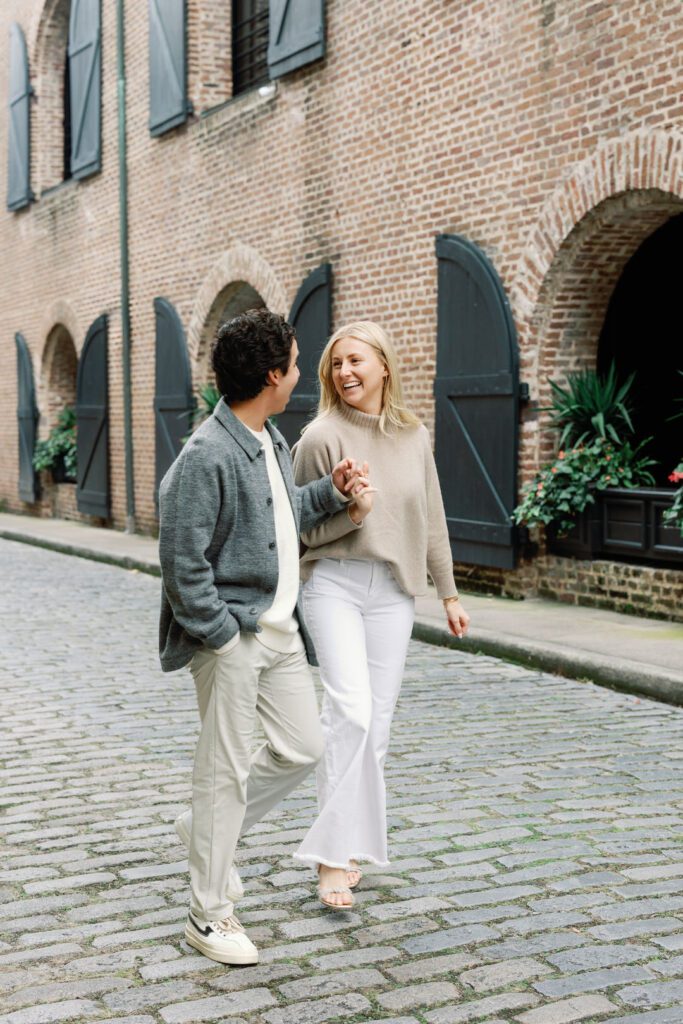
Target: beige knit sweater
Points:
(407, 525)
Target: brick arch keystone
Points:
(240, 263)
(642, 159)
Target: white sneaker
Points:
(235, 887)
(223, 941)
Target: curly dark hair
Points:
(246, 348)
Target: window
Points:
(249, 44)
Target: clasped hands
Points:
(351, 477)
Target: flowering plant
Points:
(674, 515)
(560, 491)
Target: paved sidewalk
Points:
(535, 836)
(633, 654)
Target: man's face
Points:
(289, 380)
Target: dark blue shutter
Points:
(92, 423)
(173, 401)
(477, 405)
(19, 134)
(311, 317)
(168, 106)
(296, 34)
(27, 416)
(85, 73)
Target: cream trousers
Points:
(232, 788)
(360, 621)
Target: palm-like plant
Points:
(209, 397)
(590, 406)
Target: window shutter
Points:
(85, 73)
(311, 318)
(173, 400)
(297, 34)
(92, 423)
(477, 405)
(27, 416)
(168, 105)
(19, 135)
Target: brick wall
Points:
(548, 134)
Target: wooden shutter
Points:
(173, 400)
(297, 34)
(27, 416)
(168, 105)
(477, 405)
(85, 62)
(311, 317)
(92, 423)
(19, 131)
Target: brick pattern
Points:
(536, 874)
(550, 135)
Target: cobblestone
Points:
(534, 826)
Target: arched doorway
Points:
(60, 367)
(641, 334)
(51, 125)
(609, 295)
(235, 298)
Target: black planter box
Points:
(59, 473)
(623, 525)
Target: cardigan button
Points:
(269, 590)
(271, 545)
(253, 611)
(269, 501)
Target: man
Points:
(230, 516)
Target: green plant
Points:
(60, 446)
(674, 516)
(591, 405)
(562, 490)
(209, 397)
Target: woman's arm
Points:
(439, 555)
(312, 461)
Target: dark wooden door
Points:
(92, 423)
(477, 405)
(173, 401)
(311, 316)
(27, 421)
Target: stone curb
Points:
(643, 680)
(624, 676)
(109, 558)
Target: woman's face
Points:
(358, 375)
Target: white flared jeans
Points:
(360, 621)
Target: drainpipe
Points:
(125, 285)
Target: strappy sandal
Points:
(344, 890)
(356, 871)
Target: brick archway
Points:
(58, 373)
(586, 233)
(47, 46)
(60, 344)
(239, 268)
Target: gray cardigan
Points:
(219, 561)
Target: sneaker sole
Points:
(234, 959)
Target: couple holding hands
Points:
(363, 495)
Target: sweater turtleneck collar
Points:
(360, 419)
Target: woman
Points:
(361, 577)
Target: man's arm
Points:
(189, 506)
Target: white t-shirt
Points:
(279, 627)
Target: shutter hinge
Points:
(523, 391)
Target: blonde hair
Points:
(395, 414)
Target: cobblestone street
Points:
(537, 873)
